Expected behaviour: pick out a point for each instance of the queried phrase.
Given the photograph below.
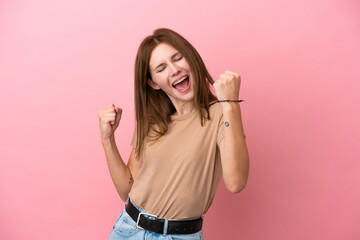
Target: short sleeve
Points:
(220, 130)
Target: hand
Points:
(109, 119)
(227, 87)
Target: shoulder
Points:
(216, 113)
(215, 110)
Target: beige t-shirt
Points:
(181, 170)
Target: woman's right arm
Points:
(122, 175)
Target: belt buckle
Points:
(138, 218)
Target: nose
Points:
(174, 69)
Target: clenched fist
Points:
(227, 86)
(109, 118)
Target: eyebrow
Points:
(161, 64)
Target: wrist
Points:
(230, 106)
(107, 139)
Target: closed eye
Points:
(178, 58)
(161, 69)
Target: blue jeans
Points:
(125, 228)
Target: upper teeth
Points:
(180, 80)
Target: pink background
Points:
(62, 60)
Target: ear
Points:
(153, 84)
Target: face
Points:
(171, 73)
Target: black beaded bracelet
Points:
(230, 101)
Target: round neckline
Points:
(183, 116)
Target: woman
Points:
(185, 139)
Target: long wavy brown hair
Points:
(153, 107)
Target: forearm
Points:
(235, 157)
(120, 173)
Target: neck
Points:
(184, 108)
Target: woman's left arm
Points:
(233, 149)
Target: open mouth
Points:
(182, 85)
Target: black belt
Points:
(154, 224)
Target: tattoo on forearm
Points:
(131, 179)
(227, 124)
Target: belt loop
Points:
(165, 226)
